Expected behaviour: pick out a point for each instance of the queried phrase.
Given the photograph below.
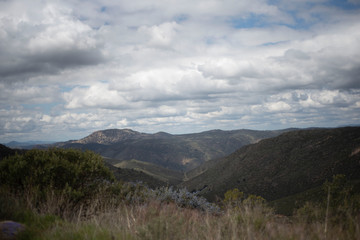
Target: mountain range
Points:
(26, 145)
(176, 152)
(272, 164)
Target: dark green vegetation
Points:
(74, 174)
(134, 176)
(69, 194)
(167, 176)
(289, 164)
(176, 152)
(5, 151)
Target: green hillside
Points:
(168, 176)
(135, 176)
(285, 165)
(177, 152)
(288, 204)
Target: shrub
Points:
(78, 175)
(185, 199)
(233, 198)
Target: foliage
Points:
(186, 199)
(138, 193)
(343, 199)
(162, 218)
(73, 173)
(167, 176)
(338, 206)
(116, 210)
(250, 210)
(235, 198)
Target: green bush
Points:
(236, 198)
(233, 197)
(72, 173)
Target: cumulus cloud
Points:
(161, 35)
(46, 44)
(23, 93)
(72, 67)
(328, 60)
(98, 95)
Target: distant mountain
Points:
(177, 152)
(282, 166)
(111, 136)
(26, 145)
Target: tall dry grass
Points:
(107, 218)
(167, 222)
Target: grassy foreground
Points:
(103, 219)
(95, 206)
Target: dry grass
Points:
(169, 222)
(107, 218)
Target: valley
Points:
(273, 164)
(176, 152)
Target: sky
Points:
(72, 67)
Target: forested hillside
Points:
(176, 152)
(281, 166)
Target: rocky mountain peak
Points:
(110, 136)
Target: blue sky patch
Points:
(251, 21)
(103, 9)
(344, 4)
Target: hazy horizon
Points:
(80, 137)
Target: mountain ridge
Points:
(109, 136)
(290, 162)
(284, 165)
(177, 152)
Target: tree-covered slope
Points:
(290, 163)
(135, 176)
(177, 152)
(167, 176)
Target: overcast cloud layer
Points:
(70, 67)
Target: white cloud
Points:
(42, 40)
(161, 35)
(61, 32)
(278, 107)
(24, 93)
(97, 95)
(70, 67)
